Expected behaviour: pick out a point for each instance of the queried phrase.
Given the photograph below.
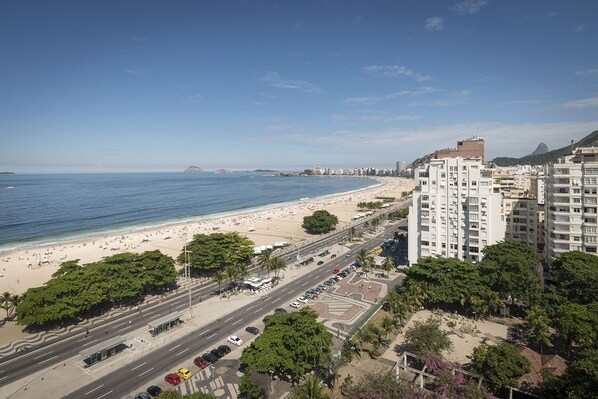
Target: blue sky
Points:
(156, 85)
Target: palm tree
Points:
(415, 297)
(5, 302)
(242, 272)
(15, 300)
(232, 272)
(219, 277)
(311, 388)
(537, 324)
(331, 367)
(388, 265)
(362, 256)
(388, 326)
(493, 301)
(277, 265)
(265, 261)
(359, 339)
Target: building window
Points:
(591, 249)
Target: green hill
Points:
(550, 156)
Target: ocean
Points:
(43, 208)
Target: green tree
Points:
(213, 252)
(265, 261)
(310, 388)
(278, 264)
(575, 276)
(380, 385)
(508, 269)
(219, 277)
(291, 344)
(580, 380)
(388, 265)
(577, 323)
(362, 256)
(388, 326)
(500, 365)
(248, 388)
(425, 337)
(320, 222)
(6, 303)
(537, 325)
(330, 370)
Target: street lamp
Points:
(188, 275)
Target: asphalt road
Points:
(68, 345)
(164, 360)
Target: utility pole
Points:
(188, 275)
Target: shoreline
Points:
(31, 266)
(143, 227)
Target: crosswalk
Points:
(204, 381)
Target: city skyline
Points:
(144, 87)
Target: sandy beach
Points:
(24, 268)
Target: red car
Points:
(201, 362)
(173, 379)
(336, 271)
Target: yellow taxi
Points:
(183, 373)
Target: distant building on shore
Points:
(468, 148)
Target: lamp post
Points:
(188, 275)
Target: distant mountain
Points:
(591, 140)
(222, 171)
(264, 171)
(194, 169)
(6, 173)
(540, 149)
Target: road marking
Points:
(174, 347)
(99, 397)
(95, 389)
(121, 324)
(251, 307)
(181, 352)
(136, 367)
(1, 378)
(211, 336)
(229, 319)
(204, 332)
(146, 371)
(43, 361)
(93, 341)
(236, 322)
(259, 310)
(47, 353)
(284, 290)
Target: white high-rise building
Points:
(454, 212)
(572, 203)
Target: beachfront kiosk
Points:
(164, 323)
(103, 350)
(258, 283)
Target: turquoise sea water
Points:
(47, 208)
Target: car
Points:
(320, 263)
(173, 379)
(329, 282)
(154, 390)
(142, 395)
(302, 299)
(201, 362)
(209, 357)
(253, 330)
(332, 256)
(218, 353)
(337, 278)
(336, 270)
(183, 373)
(309, 295)
(322, 287)
(348, 255)
(279, 310)
(233, 339)
(296, 305)
(224, 348)
(318, 290)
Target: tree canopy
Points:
(174, 394)
(508, 268)
(76, 291)
(212, 252)
(575, 275)
(291, 344)
(425, 337)
(320, 222)
(500, 365)
(580, 380)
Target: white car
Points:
(296, 305)
(302, 299)
(233, 339)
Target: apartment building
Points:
(455, 211)
(572, 199)
(521, 217)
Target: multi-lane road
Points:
(162, 359)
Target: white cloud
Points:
(587, 73)
(521, 102)
(369, 100)
(583, 103)
(132, 71)
(434, 24)
(302, 86)
(454, 98)
(395, 71)
(469, 7)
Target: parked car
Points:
(154, 390)
(336, 270)
(302, 299)
(253, 330)
(233, 339)
(322, 287)
(201, 362)
(183, 373)
(329, 282)
(332, 256)
(142, 395)
(279, 310)
(295, 305)
(320, 263)
(218, 353)
(209, 357)
(224, 348)
(309, 295)
(173, 379)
